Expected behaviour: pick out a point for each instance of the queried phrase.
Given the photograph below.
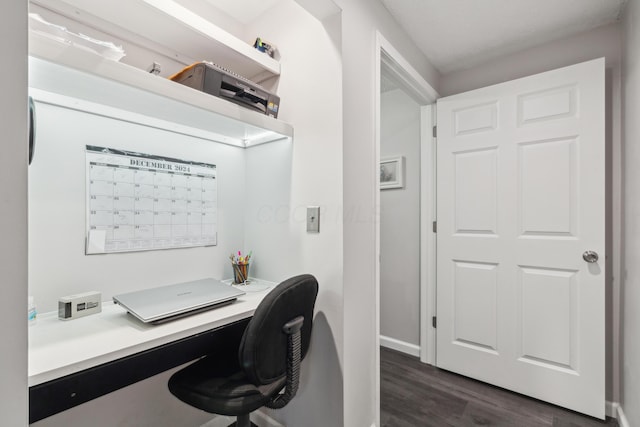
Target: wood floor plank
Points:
(419, 395)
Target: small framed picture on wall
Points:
(392, 173)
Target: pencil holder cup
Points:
(240, 273)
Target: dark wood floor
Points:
(414, 394)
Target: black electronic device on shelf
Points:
(218, 81)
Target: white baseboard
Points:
(614, 410)
(219, 421)
(263, 419)
(405, 347)
(258, 417)
(622, 418)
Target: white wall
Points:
(13, 211)
(400, 222)
(310, 88)
(600, 42)
(630, 399)
(288, 176)
(58, 265)
(360, 20)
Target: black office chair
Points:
(267, 361)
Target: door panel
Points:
(549, 330)
(475, 191)
(520, 198)
(475, 286)
(547, 188)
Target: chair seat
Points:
(221, 387)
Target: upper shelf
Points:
(182, 34)
(215, 38)
(230, 123)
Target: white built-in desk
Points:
(72, 362)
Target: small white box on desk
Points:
(79, 305)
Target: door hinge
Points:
(434, 226)
(434, 322)
(435, 131)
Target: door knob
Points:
(590, 256)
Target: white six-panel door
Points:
(521, 178)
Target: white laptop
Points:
(157, 305)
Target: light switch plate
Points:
(313, 219)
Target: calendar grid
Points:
(140, 202)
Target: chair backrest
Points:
(263, 350)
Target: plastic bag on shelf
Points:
(107, 50)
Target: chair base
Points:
(243, 421)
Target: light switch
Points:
(313, 219)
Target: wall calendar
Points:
(138, 202)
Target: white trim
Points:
(261, 418)
(219, 421)
(622, 418)
(376, 231)
(412, 80)
(425, 220)
(610, 409)
(257, 417)
(427, 236)
(402, 346)
(425, 94)
(614, 409)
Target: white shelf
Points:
(168, 24)
(216, 39)
(74, 72)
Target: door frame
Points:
(426, 96)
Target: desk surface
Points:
(58, 348)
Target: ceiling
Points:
(459, 34)
(244, 11)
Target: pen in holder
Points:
(240, 273)
(240, 265)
